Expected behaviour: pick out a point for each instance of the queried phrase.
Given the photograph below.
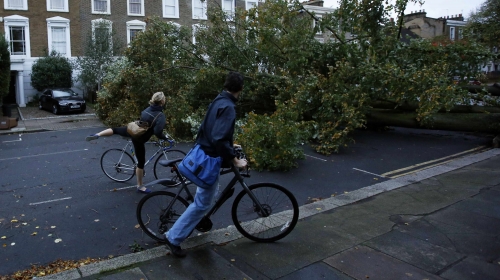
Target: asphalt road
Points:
(56, 203)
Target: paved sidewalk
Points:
(53, 122)
(439, 223)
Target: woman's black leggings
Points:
(139, 147)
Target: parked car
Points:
(470, 81)
(61, 100)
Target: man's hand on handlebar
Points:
(240, 163)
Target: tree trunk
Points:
(487, 123)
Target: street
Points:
(56, 203)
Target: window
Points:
(316, 24)
(199, 9)
(228, 7)
(133, 28)
(57, 5)
(58, 35)
(15, 4)
(135, 7)
(250, 4)
(452, 33)
(17, 33)
(170, 8)
(101, 7)
(460, 33)
(101, 34)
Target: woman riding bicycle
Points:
(155, 117)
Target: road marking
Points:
(124, 188)
(315, 157)
(20, 139)
(56, 153)
(48, 201)
(369, 172)
(431, 161)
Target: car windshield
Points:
(60, 93)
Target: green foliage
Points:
(483, 25)
(296, 88)
(53, 71)
(4, 67)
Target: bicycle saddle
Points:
(170, 163)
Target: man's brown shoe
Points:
(175, 250)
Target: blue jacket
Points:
(215, 135)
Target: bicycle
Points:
(262, 212)
(120, 166)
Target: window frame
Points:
(233, 7)
(131, 14)
(315, 23)
(59, 22)
(251, 1)
(176, 8)
(204, 8)
(65, 9)
(134, 25)
(452, 33)
(18, 21)
(24, 8)
(108, 6)
(94, 22)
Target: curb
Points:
(230, 233)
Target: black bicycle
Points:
(263, 212)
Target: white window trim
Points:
(18, 21)
(176, 15)
(314, 23)
(66, 7)
(204, 4)
(248, 7)
(452, 33)
(196, 27)
(6, 5)
(134, 24)
(108, 11)
(110, 27)
(142, 9)
(232, 7)
(59, 22)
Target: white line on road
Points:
(369, 172)
(20, 139)
(48, 201)
(74, 151)
(124, 188)
(315, 157)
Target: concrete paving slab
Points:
(131, 274)
(490, 164)
(481, 206)
(465, 220)
(424, 230)
(299, 249)
(365, 263)
(319, 270)
(473, 175)
(490, 195)
(473, 268)
(202, 263)
(414, 251)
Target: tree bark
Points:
(487, 123)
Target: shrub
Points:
(53, 71)
(4, 67)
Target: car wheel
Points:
(40, 105)
(55, 110)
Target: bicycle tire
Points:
(152, 216)
(162, 172)
(280, 202)
(118, 165)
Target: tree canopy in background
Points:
(296, 88)
(484, 24)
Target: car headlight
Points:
(63, 103)
(83, 101)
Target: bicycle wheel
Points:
(154, 218)
(162, 172)
(282, 208)
(118, 165)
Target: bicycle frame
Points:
(224, 196)
(160, 149)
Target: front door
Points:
(11, 97)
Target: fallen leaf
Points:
(226, 234)
(233, 260)
(375, 179)
(22, 215)
(24, 224)
(137, 226)
(41, 273)
(37, 227)
(346, 192)
(34, 233)
(319, 209)
(406, 223)
(333, 195)
(58, 240)
(53, 227)
(12, 244)
(50, 234)
(409, 274)
(4, 245)
(14, 221)
(4, 237)
(96, 220)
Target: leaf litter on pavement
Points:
(52, 268)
